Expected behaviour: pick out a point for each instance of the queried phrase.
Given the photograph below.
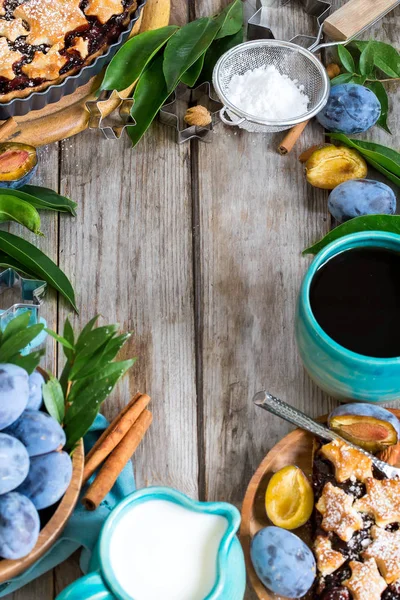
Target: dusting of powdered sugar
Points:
(265, 93)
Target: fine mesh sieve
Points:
(289, 59)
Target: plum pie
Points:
(44, 41)
(357, 527)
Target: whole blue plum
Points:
(35, 399)
(14, 393)
(283, 562)
(14, 463)
(48, 479)
(351, 108)
(38, 431)
(359, 197)
(19, 526)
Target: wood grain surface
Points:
(197, 248)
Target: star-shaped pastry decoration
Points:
(49, 21)
(12, 29)
(81, 46)
(365, 582)
(338, 513)
(328, 560)
(382, 500)
(8, 58)
(385, 549)
(46, 66)
(104, 10)
(348, 462)
(113, 124)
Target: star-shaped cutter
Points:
(173, 111)
(111, 124)
(31, 293)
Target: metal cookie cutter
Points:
(112, 124)
(173, 112)
(258, 28)
(30, 294)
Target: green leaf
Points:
(90, 342)
(88, 328)
(133, 57)
(376, 154)
(385, 68)
(380, 93)
(43, 198)
(69, 336)
(100, 359)
(230, 19)
(367, 60)
(59, 339)
(150, 94)
(185, 48)
(14, 344)
(17, 324)
(385, 54)
(29, 362)
(342, 78)
(346, 59)
(369, 223)
(38, 263)
(190, 76)
(87, 395)
(216, 50)
(53, 398)
(8, 262)
(359, 79)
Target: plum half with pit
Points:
(360, 197)
(283, 562)
(371, 427)
(351, 108)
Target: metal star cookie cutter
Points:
(112, 125)
(31, 293)
(258, 28)
(173, 112)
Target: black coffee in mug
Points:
(355, 298)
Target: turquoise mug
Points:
(101, 584)
(338, 371)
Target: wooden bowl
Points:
(54, 527)
(293, 449)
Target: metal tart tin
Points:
(38, 100)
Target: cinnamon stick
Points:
(117, 460)
(114, 433)
(291, 138)
(7, 128)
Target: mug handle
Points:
(89, 586)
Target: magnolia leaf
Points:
(368, 223)
(53, 398)
(346, 59)
(380, 93)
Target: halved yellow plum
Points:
(289, 500)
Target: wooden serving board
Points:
(294, 449)
(69, 116)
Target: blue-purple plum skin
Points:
(48, 479)
(35, 399)
(14, 393)
(351, 108)
(14, 463)
(283, 562)
(360, 197)
(38, 431)
(19, 526)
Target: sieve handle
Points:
(227, 119)
(356, 16)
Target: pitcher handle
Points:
(89, 586)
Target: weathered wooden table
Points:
(197, 248)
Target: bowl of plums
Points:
(320, 519)
(39, 480)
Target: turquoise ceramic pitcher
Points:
(100, 583)
(340, 372)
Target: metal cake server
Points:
(296, 417)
